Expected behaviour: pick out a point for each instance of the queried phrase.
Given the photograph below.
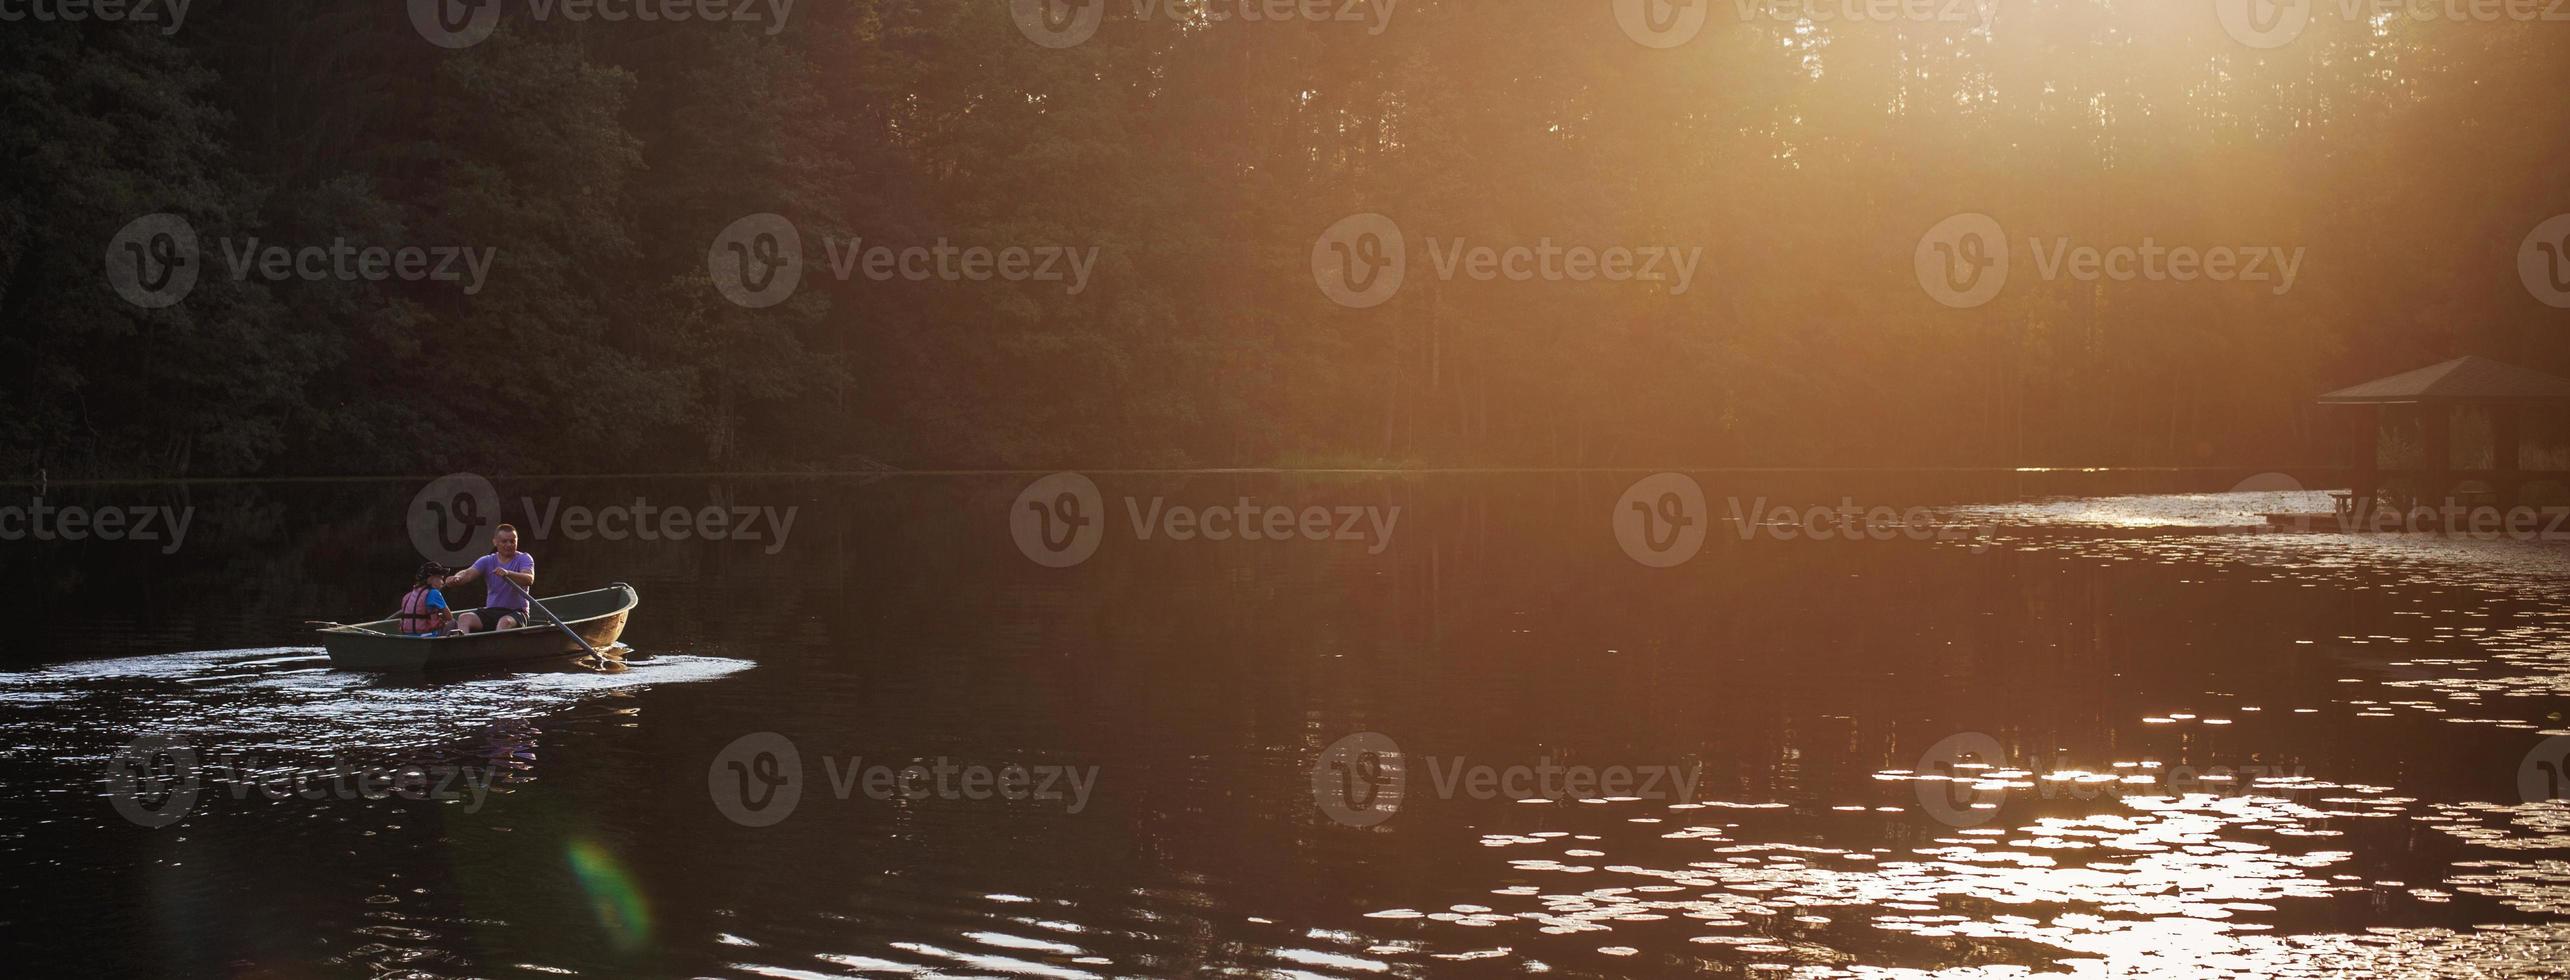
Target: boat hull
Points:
(599, 617)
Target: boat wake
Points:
(289, 701)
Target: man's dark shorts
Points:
(490, 616)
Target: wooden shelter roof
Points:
(2459, 380)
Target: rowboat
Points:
(599, 617)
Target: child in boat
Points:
(424, 611)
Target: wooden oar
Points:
(599, 662)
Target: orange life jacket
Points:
(416, 616)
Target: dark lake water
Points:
(2082, 724)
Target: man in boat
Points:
(507, 573)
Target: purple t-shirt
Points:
(500, 593)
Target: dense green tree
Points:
(1201, 155)
(105, 127)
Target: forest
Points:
(1195, 158)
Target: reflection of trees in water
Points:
(251, 554)
(1496, 630)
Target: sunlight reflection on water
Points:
(2145, 885)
